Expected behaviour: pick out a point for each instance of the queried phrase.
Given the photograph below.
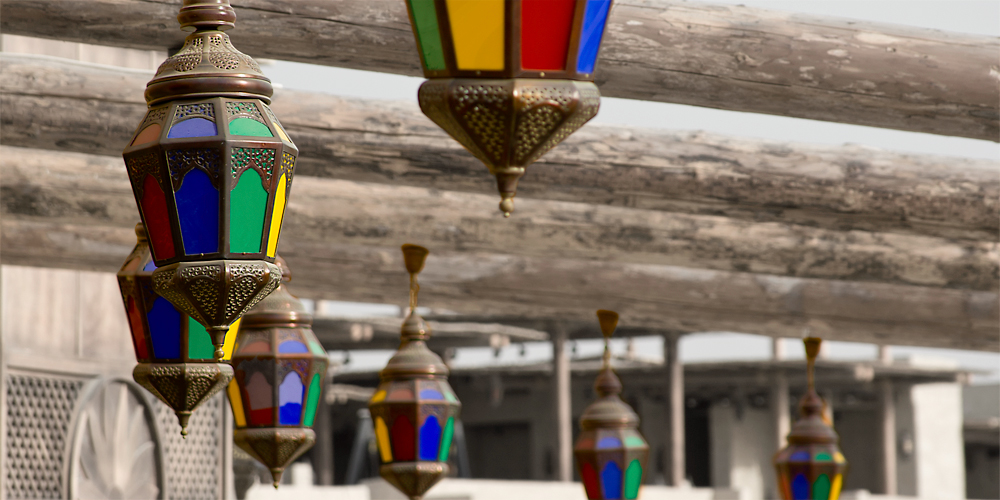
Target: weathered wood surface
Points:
(91, 190)
(728, 57)
(659, 298)
(347, 334)
(76, 107)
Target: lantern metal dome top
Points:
(609, 410)
(208, 65)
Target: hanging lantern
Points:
(414, 409)
(211, 170)
(811, 467)
(610, 453)
(280, 372)
(509, 79)
(175, 353)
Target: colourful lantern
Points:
(811, 467)
(610, 453)
(175, 353)
(414, 408)
(280, 372)
(211, 170)
(509, 79)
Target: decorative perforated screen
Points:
(194, 465)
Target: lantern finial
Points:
(198, 15)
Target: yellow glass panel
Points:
(382, 436)
(838, 481)
(477, 30)
(237, 404)
(379, 396)
(227, 348)
(276, 214)
(281, 132)
(839, 457)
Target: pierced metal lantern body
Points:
(414, 409)
(175, 353)
(211, 169)
(280, 371)
(812, 466)
(509, 79)
(610, 452)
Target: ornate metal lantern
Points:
(414, 408)
(175, 353)
(211, 170)
(610, 453)
(280, 372)
(811, 467)
(509, 79)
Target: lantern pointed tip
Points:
(183, 417)
(276, 476)
(507, 206)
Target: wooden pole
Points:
(676, 468)
(563, 403)
(780, 409)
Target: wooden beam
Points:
(88, 190)
(340, 333)
(77, 107)
(728, 57)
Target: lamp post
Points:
(610, 453)
(280, 372)
(414, 409)
(175, 353)
(211, 169)
(509, 79)
(811, 467)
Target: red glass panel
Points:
(403, 439)
(545, 32)
(138, 334)
(154, 208)
(589, 476)
(260, 396)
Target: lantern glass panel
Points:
(611, 480)
(290, 395)
(198, 213)
(403, 439)
(247, 206)
(260, 396)
(193, 127)
(236, 403)
(633, 478)
(199, 341)
(546, 26)
(312, 400)
(430, 438)
(595, 15)
(165, 329)
(138, 332)
(477, 31)
(154, 209)
(148, 134)
(382, 438)
(250, 127)
(292, 346)
(277, 217)
(449, 433)
(428, 34)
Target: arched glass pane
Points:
(247, 205)
(633, 478)
(430, 438)
(403, 439)
(290, 394)
(248, 126)
(199, 341)
(198, 212)
(609, 442)
(148, 134)
(821, 488)
(292, 347)
(193, 127)
(449, 433)
(157, 219)
(477, 30)
(312, 400)
(800, 488)
(611, 481)
(382, 437)
(260, 399)
(545, 33)
(165, 329)
(138, 332)
(589, 477)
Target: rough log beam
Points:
(91, 190)
(68, 106)
(728, 57)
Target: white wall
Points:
(743, 444)
(940, 455)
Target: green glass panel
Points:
(633, 478)
(199, 341)
(428, 35)
(316, 348)
(821, 488)
(450, 396)
(634, 442)
(449, 431)
(823, 457)
(247, 204)
(312, 400)
(248, 126)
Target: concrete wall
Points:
(940, 457)
(743, 444)
(859, 438)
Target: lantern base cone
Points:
(183, 386)
(275, 447)
(216, 293)
(413, 479)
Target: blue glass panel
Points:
(198, 211)
(292, 347)
(594, 18)
(194, 127)
(430, 439)
(799, 456)
(165, 329)
(609, 442)
(290, 395)
(611, 481)
(800, 488)
(150, 266)
(431, 394)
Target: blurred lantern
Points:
(280, 372)
(509, 79)
(175, 353)
(414, 409)
(211, 169)
(811, 467)
(610, 453)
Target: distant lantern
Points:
(175, 353)
(280, 370)
(414, 408)
(509, 79)
(811, 467)
(211, 169)
(610, 453)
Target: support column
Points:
(887, 404)
(676, 468)
(779, 409)
(564, 416)
(323, 452)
